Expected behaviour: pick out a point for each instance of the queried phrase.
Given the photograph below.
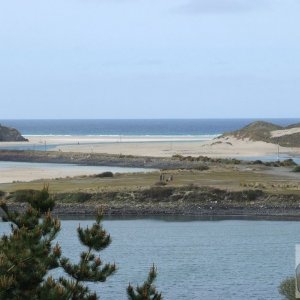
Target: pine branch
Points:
(147, 291)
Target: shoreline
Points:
(169, 201)
(27, 166)
(89, 211)
(155, 146)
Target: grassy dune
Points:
(228, 177)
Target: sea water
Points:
(161, 129)
(196, 258)
(133, 127)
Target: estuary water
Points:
(196, 258)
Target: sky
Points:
(149, 59)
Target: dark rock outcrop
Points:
(8, 134)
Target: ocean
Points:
(164, 130)
(207, 128)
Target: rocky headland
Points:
(8, 134)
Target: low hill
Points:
(8, 134)
(288, 136)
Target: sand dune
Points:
(278, 133)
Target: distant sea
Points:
(207, 128)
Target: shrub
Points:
(105, 174)
(287, 288)
(202, 168)
(79, 197)
(296, 169)
(253, 194)
(288, 163)
(158, 192)
(24, 195)
(160, 183)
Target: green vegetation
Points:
(104, 174)
(283, 163)
(296, 169)
(146, 291)
(27, 255)
(79, 197)
(256, 131)
(252, 194)
(206, 159)
(287, 289)
(261, 131)
(24, 195)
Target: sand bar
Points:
(22, 171)
(155, 146)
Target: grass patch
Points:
(158, 192)
(253, 194)
(79, 197)
(24, 195)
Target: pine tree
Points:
(89, 268)
(147, 291)
(28, 254)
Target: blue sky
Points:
(149, 58)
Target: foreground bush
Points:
(287, 289)
(28, 254)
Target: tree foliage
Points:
(28, 253)
(147, 291)
(287, 288)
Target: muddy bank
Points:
(102, 159)
(96, 159)
(166, 201)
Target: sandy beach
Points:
(13, 172)
(158, 146)
(25, 172)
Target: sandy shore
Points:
(155, 146)
(282, 132)
(25, 171)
